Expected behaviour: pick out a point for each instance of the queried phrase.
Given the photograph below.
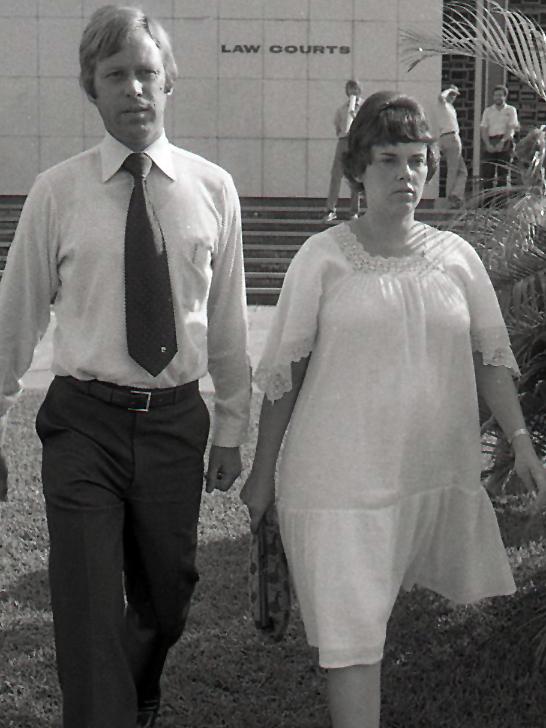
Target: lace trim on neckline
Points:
(361, 260)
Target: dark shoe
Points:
(146, 718)
(330, 216)
(454, 202)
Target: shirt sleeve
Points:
(228, 360)
(294, 325)
(484, 123)
(513, 122)
(340, 121)
(28, 288)
(488, 332)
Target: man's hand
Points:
(224, 468)
(3, 478)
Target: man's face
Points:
(498, 97)
(450, 98)
(130, 92)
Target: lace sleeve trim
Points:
(494, 346)
(275, 379)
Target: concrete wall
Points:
(264, 112)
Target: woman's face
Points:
(395, 178)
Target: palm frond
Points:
(505, 37)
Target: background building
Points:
(259, 82)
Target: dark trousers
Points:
(336, 175)
(496, 161)
(123, 492)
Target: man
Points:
(498, 125)
(342, 122)
(123, 425)
(449, 142)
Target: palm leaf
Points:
(506, 37)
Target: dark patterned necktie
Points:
(149, 313)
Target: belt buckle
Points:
(146, 407)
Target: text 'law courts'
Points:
(249, 48)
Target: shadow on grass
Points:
(222, 673)
(30, 591)
(464, 667)
(444, 667)
(22, 720)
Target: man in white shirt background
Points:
(342, 123)
(123, 426)
(449, 141)
(498, 126)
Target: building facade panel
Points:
(285, 109)
(285, 167)
(195, 101)
(259, 82)
(18, 8)
(285, 42)
(330, 49)
(66, 93)
(19, 47)
(58, 44)
(240, 108)
(239, 58)
(19, 108)
(60, 8)
(196, 8)
(243, 158)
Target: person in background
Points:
(449, 141)
(137, 246)
(385, 331)
(498, 126)
(342, 123)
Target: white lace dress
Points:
(379, 481)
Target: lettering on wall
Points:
(250, 48)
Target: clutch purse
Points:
(269, 582)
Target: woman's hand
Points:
(531, 471)
(258, 493)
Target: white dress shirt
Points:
(68, 252)
(500, 121)
(447, 118)
(344, 117)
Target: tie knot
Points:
(138, 164)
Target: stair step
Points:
(256, 275)
(272, 247)
(285, 225)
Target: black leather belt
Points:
(445, 133)
(134, 399)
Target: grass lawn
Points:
(444, 667)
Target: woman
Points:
(383, 333)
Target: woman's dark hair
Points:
(386, 117)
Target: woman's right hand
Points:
(258, 493)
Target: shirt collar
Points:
(113, 153)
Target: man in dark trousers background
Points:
(137, 245)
